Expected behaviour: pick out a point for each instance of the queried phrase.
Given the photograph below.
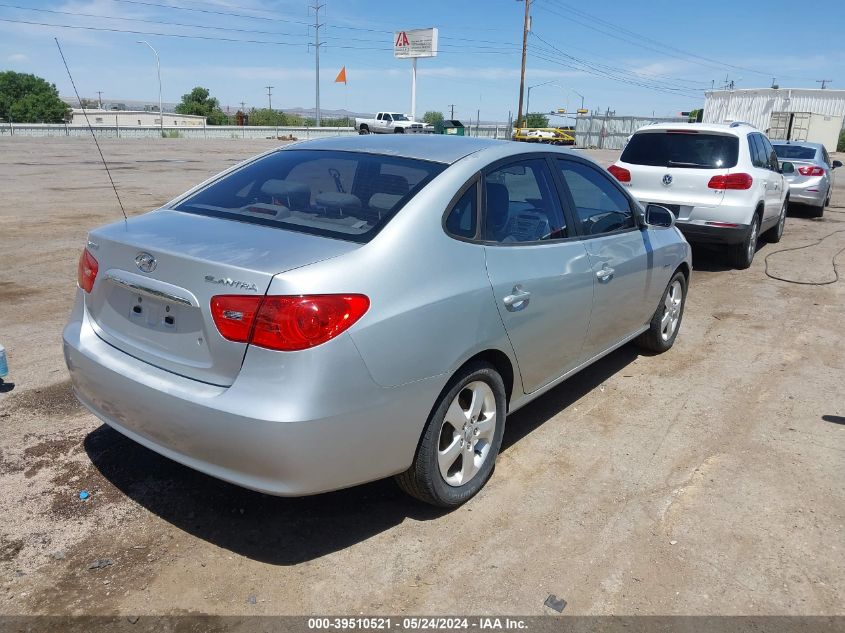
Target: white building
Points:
(133, 118)
(813, 115)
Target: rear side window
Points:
(795, 151)
(682, 149)
(599, 205)
(758, 151)
(521, 204)
(463, 218)
(346, 195)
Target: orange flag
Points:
(341, 76)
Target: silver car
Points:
(346, 309)
(808, 170)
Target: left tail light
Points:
(620, 173)
(86, 272)
(286, 323)
(811, 170)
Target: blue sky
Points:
(631, 57)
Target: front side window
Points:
(346, 195)
(599, 206)
(521, 205)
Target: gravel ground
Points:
(708, 480)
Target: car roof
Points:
(440, 148)
(737, 128)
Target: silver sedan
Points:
(808, 170)
(352, 308)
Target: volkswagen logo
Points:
(145, 262)
(667, 179)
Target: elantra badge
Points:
(145, 262)
(667, 179)
(231, 283)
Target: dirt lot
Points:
(708, 480)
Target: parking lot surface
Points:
(707, 480)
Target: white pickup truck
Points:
(388, 123)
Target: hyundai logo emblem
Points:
(145, 262)
(667, 179)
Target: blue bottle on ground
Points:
(4, 366)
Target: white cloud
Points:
(17, 57)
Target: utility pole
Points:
(243, 106)
(824, 82)
(522, 72)
(270, 96)
(100, 99)
(452, 106)
(317, 6)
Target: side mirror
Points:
(787, 168)
(837, 163)
(655, 215)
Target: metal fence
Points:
(209, 131)
(612, 132)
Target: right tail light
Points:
(731, 181)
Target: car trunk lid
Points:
(158, 273)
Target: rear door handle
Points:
(605, 273)
(518, 299)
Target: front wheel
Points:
(461, 440)
(666, 322)
(743, 253)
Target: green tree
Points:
(432, 117)
(200, 102)
(840, 147)
(29, 99)
(536, 119)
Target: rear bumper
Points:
(701, 233)
(335, 429)
(812, 193)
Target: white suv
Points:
(722, 181)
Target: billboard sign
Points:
(415, 43)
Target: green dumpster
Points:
(453, 127)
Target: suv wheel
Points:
(461, 440)
(774, 234)
(743, 253)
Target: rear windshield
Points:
(346, 195)
(682, 149)
(795, 151)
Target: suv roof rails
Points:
(738, 123)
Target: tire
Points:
(444, 443)
(663, 330)
(398, 130)
(774, 234)
(817, 212)
(742, 254)
(363, 130)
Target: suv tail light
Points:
(731, 181)
(620, 173)
(286, 323)
(811, 170)
(86, 271)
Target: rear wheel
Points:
(817, 212)
(663, 328)
(461, 440)
(399, 130)
(742, 254)
(363, 130)
(774, 234)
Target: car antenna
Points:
(91, 129)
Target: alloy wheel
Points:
(467, 433)
(671, 310)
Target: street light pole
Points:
(158, 71)
(580, 95)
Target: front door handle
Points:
(518, 299)
(605, 273)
